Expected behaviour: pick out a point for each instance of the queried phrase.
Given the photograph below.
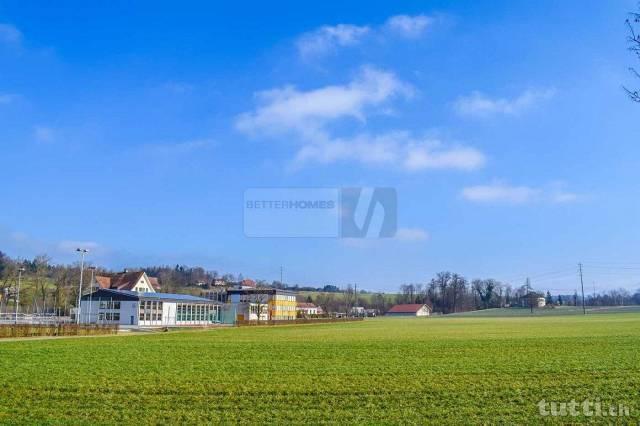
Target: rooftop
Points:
(132, 295)
(407, 308)
(124, 280)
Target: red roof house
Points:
(412, 310)
(133, 281)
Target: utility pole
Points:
(584, 310)
(529, 298)
(355, 294)
(281, 270)
(20, 271)
(82, 253)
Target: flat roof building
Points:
(262, 304)
(147, 309)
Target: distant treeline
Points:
(449, 292)
(53, 288)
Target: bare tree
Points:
(63, 280)
(634, 41)
(442, 280)
(458, 287)
(41, 267)
(261, 306)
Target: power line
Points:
(610, 263)
(632, 268)
(539, 275)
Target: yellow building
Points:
(282, 305)
(262, 304)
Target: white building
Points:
(357, 311)
(147, 309)
(306, 309)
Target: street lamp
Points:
(20, 271)
(93, 270)
(82, 253)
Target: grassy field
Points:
(548, 311)
(453, 370)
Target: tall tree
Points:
(442, 281)
(41, 268)
(458, 288)
(486, 293)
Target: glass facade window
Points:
(186, 312)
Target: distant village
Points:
(135, 299)
(36, 291)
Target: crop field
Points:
(454, 370)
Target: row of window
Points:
(109, 316)
(150, 310)
(254, 298)
(153, 305)
(286, 297)
(110, 304)
(218, 296)
(188, 312)
(254, 309)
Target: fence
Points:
(11, 318)
(33, 330)
(296, 321)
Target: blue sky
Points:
(135, 131)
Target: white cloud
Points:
(480, 105)
(499, 192)
(394, 149)
(408, 26)
(463, 158)
(411, 234)
(308, 116)
(43, 134)
(10, 34)
(289, 109)
(327, 38)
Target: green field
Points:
(548, 311)
(452, 370)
